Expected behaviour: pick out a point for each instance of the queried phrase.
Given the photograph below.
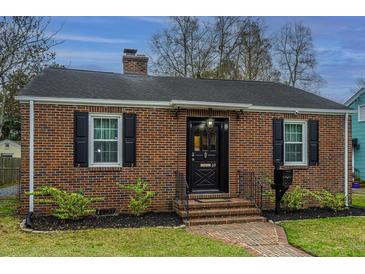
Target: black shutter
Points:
(129, 139)
(278, 141)
(313, 142)
(81, 133)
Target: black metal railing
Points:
(250, 187)
(182, 190)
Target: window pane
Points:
(105, 128)
(97, 152)
(293, 152)
(293, 132)
(97, 128)
(362, 113)
(97, 133)
(105, 152)
(299, 133)
(113, 123)
(97, 123)
(113, 134)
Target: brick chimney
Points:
(134, 64)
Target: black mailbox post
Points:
(282, 180)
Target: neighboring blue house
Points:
(357, 103)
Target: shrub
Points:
(142, 197)
(268, 191)
(295, 199)
(326, 199)
(69, 205)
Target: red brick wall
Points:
(161, 149)
(135, 64)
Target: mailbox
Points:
(283, 178)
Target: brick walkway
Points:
(261, 239)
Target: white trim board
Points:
(173, 104)
(355, 96)
(304, 142)
(119, 117)
(359, 112)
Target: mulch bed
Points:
(48, 223)
(311, 213)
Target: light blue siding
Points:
(358, 131)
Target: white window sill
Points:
(296, 164)
(105, 165)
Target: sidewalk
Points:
(261, 239)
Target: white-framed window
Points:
(295, 142)
(361, 113)
(105, 140)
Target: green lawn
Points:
(358, 197)
(105, 242)
(343, 236)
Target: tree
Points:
(25, 49)
(11, 120)
(360, 84)
(254, 52)
(296, 56)
(227, 38)
(226, 48)
(184, 49)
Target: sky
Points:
(97, 43)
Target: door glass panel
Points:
(204, 138)
(213, 139)
(197, 143)
(196, 139)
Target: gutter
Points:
(213, 105)
(31, 163)
(179, 103)
(346, 186)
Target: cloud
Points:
(92, 39)
(339, 55)
(89, 55)
(152, 19)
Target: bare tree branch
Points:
(296, 57)
(25, 49)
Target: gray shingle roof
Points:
(70, 83)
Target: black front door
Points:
(207, 155)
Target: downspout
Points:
(346, 158)
(31, 163)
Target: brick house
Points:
(191, 139)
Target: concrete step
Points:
(233, 202)
(218, 212)
(225, 220)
